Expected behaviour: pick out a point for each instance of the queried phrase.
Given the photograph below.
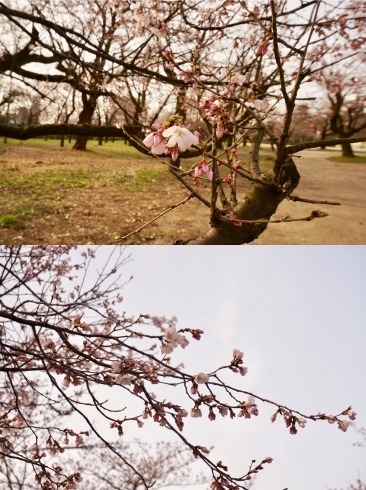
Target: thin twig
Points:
(311, 201)
(120, 239)
(286, 219)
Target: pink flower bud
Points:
(352, 415)
(211, 415)
(197, 134)
(262, 49)
(223, 410)
(203, 449)
(196, 412)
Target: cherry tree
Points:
(162, 464)
(68, 349)
(233, 65)
(347, 101)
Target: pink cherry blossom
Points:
(343, 425)
(301, 422)
(167, 348)
(171, 333)
(223, 410)
(351, 414)
(123, 379)
(238, 354)
(219, 131)
(243, 370)
(151, 140)
(116, 366)
(237, 79)
(201, 378)
(186, 75)
(196, 412)
(180, 137)
(273, 417)
(182, 341)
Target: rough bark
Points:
(260, 202)
(85, 117)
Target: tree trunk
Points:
(86, 115)
(260, 202)
(347, 150)
(62, 143)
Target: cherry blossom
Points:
(343, 425)
(180, 137)
(154, 141)
(237, 79)
(196, 412)
(201, 378)
(352, 415)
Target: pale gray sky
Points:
(299, 315)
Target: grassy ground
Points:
(355, 159)
(50, 194)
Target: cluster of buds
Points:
(215, 110)
(202, 167)
(236, 362)
(342, 424)
(248, 408)
(159, 415)
(131, 371)
(291, 420)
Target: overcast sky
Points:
(299, 315)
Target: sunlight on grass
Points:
(7, 220)
(355, 159)
(47, 180)
(111, 149)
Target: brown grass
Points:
(57, 195)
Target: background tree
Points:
(347, 100)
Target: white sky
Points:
(299, 315)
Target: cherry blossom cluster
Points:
(168, 139)
(215, 109)
(292, 420)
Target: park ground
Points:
(51, 195)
